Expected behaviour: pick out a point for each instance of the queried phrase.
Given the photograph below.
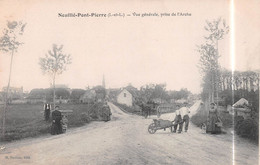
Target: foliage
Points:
(200, 117)
(100, 89)
(216, 29)
(230, 97)
(62, 93)
(76, 93)
(177, 95)
(9, 41)
(153, 91)
(209, 56)
(48, 93)
(54, 63)
(248, 128)
(247, 80)
(27, 120)
(245, 85)
(226, 118)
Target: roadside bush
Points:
(85, 117)
(226, 119)
(200, 117)
(238, 121)
(248, 128)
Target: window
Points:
(124, 94)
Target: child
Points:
(64, 123)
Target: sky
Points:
(129, 50)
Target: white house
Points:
(125, 97)
(240, 108)
(241, 102)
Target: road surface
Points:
(125, 140)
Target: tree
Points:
(100, 92)
(209, 52)
(76, 93)
(54, 63)
(208, 66)
(181, 94)
(217, 30)
(9, 43)
(153, 91)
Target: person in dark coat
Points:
(146, 110)
(106, 113)
(56, 121)
(47, 111)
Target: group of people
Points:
(181, 118)
(213, 123)
(59, 120)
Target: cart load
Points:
(160, 124)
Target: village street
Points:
(125, 140)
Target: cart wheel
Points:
(151, 128)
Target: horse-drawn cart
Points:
(160, 124)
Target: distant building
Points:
(13, 89)
(35, 99)
(60, 86)
(125, 97)
(88, 97)
(15, 93)
(240, 108)
(100, 93)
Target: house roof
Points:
(240, 102)
(121, 90)
(241, 105)
(132, 92)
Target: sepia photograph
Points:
(131, 82)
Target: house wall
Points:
(125, 97)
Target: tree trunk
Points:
(217, 82)
(6, 96)
(212, 88)
(54, 102)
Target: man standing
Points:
(47, 111)
(184, 111)
(177, 120)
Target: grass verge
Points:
(27, 120)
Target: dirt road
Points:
(125, 140)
